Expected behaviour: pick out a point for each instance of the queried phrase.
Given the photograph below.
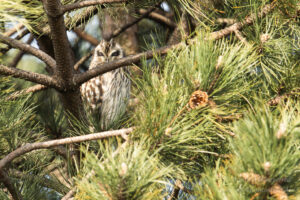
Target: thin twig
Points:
(237, 26)
(31, 89)
(29, 49)
(126, 26)
(83, 59)
(82, 4)
(239, 35)
(44, 145)
(10, 187)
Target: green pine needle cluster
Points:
(132, 173)
(265, 154)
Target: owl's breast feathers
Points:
(92, 92)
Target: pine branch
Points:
(31, 89)
(239, 35)
(43, 180)
(29, 49)
(10, 187)
(29, 76)
(239, 25)
(159, 18)
(80, 33)
(126, 26)
(69, 195)
(82, 4)
(113, 35)
(13, 30)
(20, 54)
(227, 21)
(52, 143)
(129, 60)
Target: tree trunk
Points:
(64, 71)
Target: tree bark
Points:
(64, 71)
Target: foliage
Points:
(234, 145)
(130, 174)
(265, 153)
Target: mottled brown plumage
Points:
(107, 94)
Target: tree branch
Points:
(31, 89)
(27, 48)
(159, 18)
(44, 145)
(113, 35)
(69, 194)
(20, 54)
(239, 35)
(126, 26)
(13, 30)
(80, 33)
(82, 4)
(10, 187)
(29, 76)
(239, 25)
(227, 21)
(106, 67)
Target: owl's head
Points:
(107, 51)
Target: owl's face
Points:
(107, 51)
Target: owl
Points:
(107, 95)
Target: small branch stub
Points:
(198, 99)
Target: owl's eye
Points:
(116, 53)
(99, 53)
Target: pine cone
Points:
(198, 98)
(278, 192)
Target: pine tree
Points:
(214, 112)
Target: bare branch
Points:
(83, 59)
(237, 26)
(80, 33)
(114, 34)
(52, 143)
(13, 30)
(239, 35)
(27, 48)
(227, 21)
(10, 187)
(31, 89)
(20, 54)
(126, 26)
(103, 68)
(69, 194)
(82, 4)
(159, 18)
(29, 76)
